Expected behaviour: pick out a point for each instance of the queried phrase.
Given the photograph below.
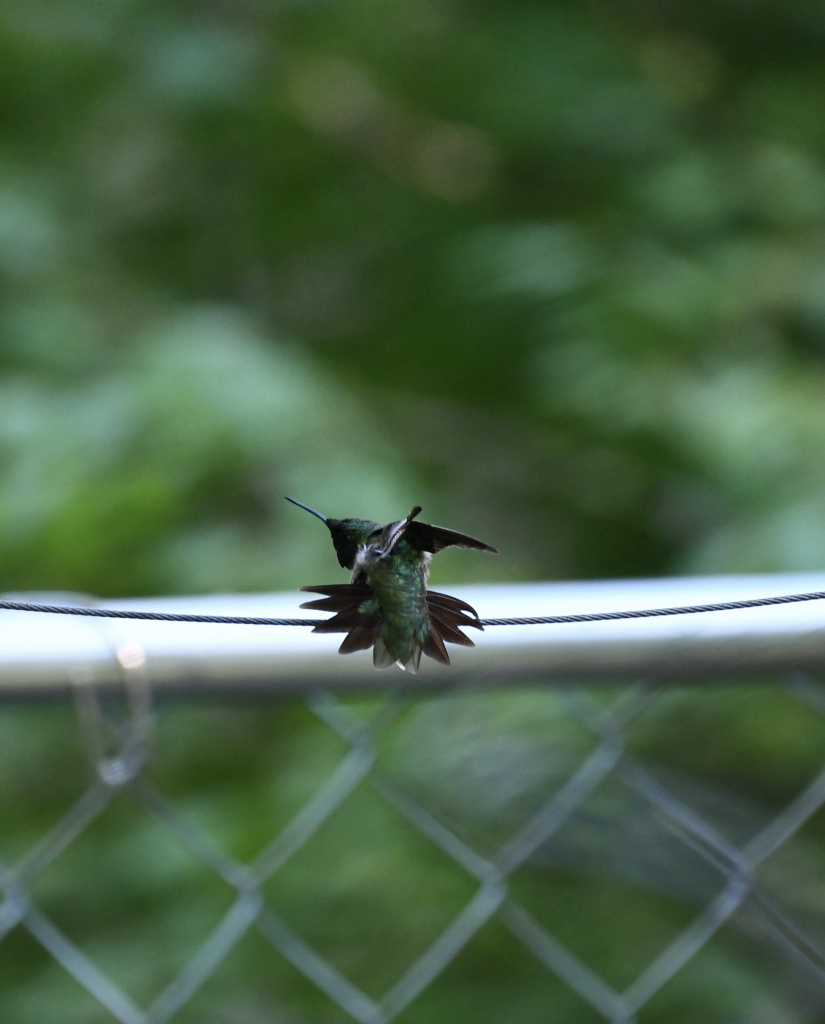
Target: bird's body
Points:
(399, 582)
(386, 604)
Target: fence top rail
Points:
(45, 655)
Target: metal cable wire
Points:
(115, 613)
(650, 613)
(544, 620)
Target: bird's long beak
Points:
(308, 509)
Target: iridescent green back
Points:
(399, 581)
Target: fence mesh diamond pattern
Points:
(118, 740)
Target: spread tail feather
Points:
(381, 656)
(358, 614)
(448, 632)
(434, 647)
(359, 639)
(451, 603)
(446, 615)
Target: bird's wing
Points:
(393, 532)
(426, 537)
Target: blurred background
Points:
(554, 271)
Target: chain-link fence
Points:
(514, 796)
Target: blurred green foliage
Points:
(555, 271)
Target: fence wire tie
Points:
(100, 733)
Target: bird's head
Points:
(348, 535)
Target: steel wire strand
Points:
(541, 620)
(649, 613)
(116, 613)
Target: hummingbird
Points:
(386, 604)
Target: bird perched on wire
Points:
(386, 604)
